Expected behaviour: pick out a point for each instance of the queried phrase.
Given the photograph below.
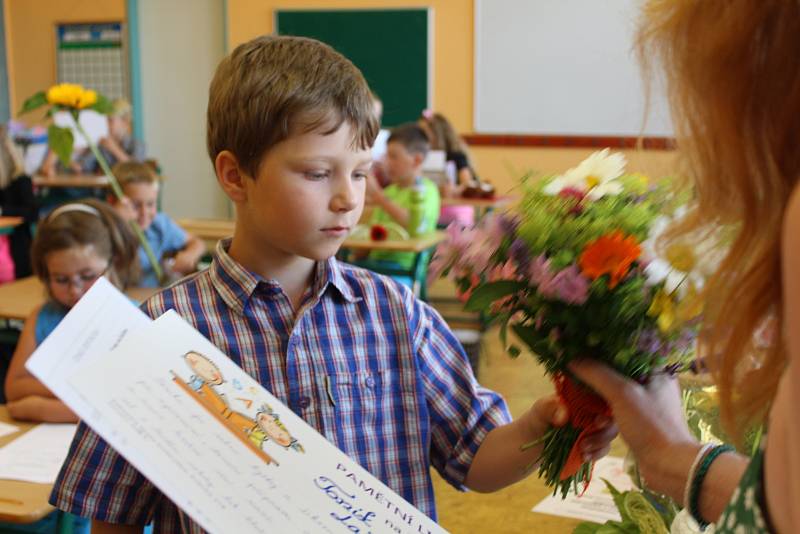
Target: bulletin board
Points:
(392, 47)
(94, 56)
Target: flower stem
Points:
(115, 187)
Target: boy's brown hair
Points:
(134, 172)
(273, 87)
(412, 137)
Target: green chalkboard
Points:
(390, 46)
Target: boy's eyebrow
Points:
(366, 160)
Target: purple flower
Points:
(650, 341)
(518, 251)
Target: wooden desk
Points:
(19, 298)
(483, 203)
(415, 244)
(22, 502)
(209, 230)
(7, 224)
(71, 180)
(212, 230)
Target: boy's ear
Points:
(230, 176)
(419, 157)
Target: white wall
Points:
(563, 67)
(181, 42)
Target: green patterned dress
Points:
(746, 513)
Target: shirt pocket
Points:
(370, 398)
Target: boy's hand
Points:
(549, 411)
(183, 263)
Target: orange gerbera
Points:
(611, 254)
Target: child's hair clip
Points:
(427, 113)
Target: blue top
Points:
(164, 235)
(47, 319)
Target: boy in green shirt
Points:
(406, 150)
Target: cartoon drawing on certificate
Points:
(202, 386)
(205, 385)
(268, 427)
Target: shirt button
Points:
(304, 402)
(370, 382)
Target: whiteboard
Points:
(562, 67)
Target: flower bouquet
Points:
(74, 98)
(573, 272)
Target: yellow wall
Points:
(31, 40)
(453, 83)
(452, 37)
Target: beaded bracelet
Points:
(697, 459)
(697, 482)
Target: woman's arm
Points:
(652, 423)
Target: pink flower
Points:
(474, 281)
(542, 276)
(506, 271)
(572, 287)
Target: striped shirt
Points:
(373, 369)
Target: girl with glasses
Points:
(74, 246)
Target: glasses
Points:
(78, 280)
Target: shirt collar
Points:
(236, 284)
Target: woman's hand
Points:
(650, 418)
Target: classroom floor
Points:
(508, 511)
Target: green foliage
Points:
(34, 102)
(486, 294)
(61, 142)
(103, 105)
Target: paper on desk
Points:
(95, 325)
(6, 429)
(596, 504)
(37, 455)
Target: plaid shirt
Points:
(373, 369)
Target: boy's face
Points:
(119, 127)
(203, 368)
(272, 429)
(144, 197)
(307, 196)
(402, 166)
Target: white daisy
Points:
(596, 176)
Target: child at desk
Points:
(74, 246)
(374, 370)
(405, 151)
(177, 251)
(443, 136)
(118, 145)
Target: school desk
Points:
(20, 297)
(415, 244)
(7, 224)
(21, 502)
(209, 230)
(212, 230)
(482, 206)
(71, 180)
